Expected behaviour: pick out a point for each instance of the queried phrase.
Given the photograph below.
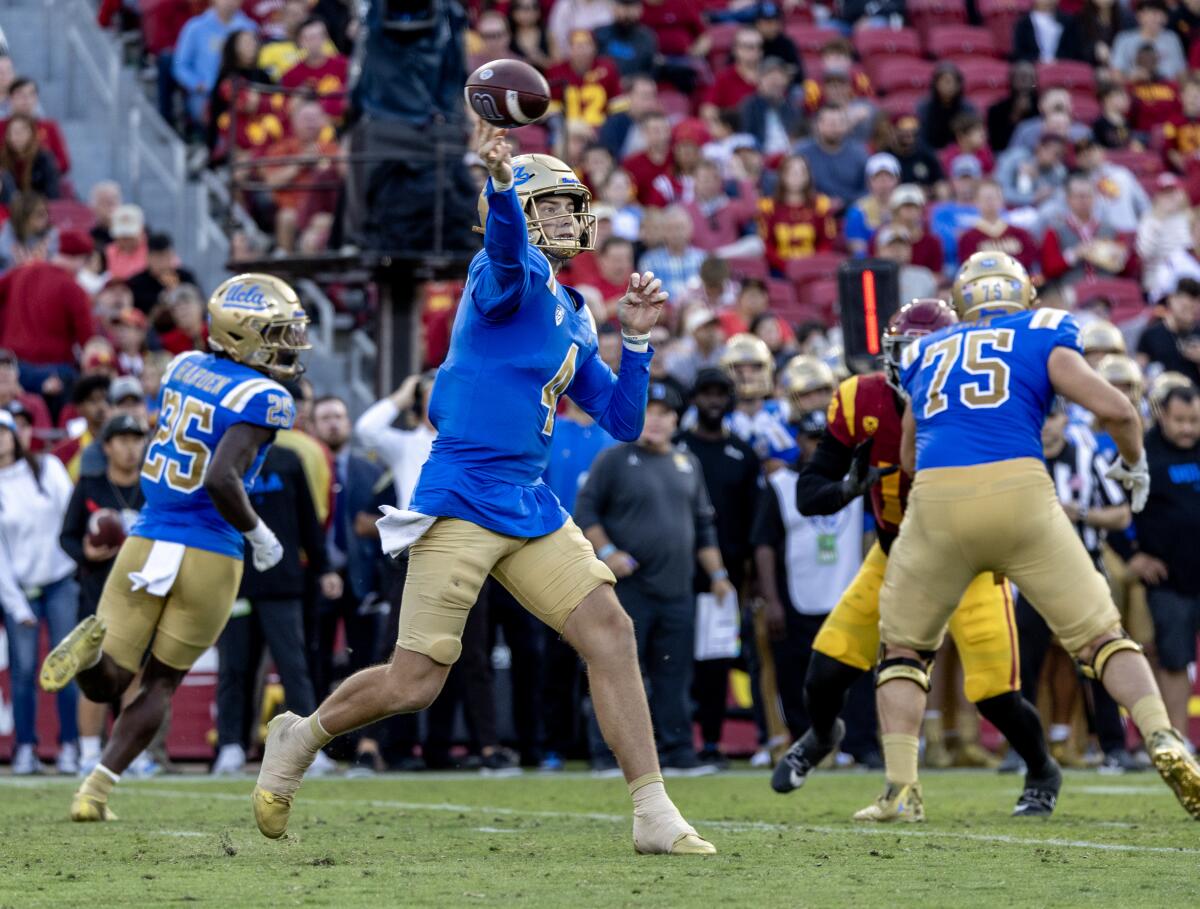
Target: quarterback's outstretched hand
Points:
(494, 149)
(642, 304)
(1135, 478)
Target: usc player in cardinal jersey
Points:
(860, 453)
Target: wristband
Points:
(260, 534)
(499, 187)
(636, 343)
(605, 551)
(719, 575)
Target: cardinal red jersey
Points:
(328, 81)
(796, 231)
(865, 408)
(1182, 134)
(589, 96)
(1154, 103)
(1014, 241)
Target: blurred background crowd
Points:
(742, 151)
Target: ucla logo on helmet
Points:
(249, 295)
(521, 176)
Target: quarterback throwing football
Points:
(520, 341)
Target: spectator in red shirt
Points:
(31, 166)
(186, 308)
(991, 233)
(585, 87)
(797, 221)
(258, 113)
(736, 82)
(719, 220)
(1155, 99)
(11, 393)
(317, 70)
(126, 254)
(23, 99)
(652, 170)
(682, 39)
(970, 138)
(45, 317)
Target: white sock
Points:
(115, 777)
(89, 748)
(1059, 732)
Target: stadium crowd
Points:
(742, 151)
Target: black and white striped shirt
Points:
(1078, 473)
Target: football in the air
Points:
(508, 93)
(105, 528)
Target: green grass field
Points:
(456, 840)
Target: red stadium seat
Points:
(1126, 295)
(809, 39)
(676, 105)
(1085, 106)
(781, 296)
(69, 214)
(1143, 163)
(742, 267)
(902, 103)
(905, 75)
(886, 42)
(533, 139)
(953, 41)
(984, 74)
(817, 267)
(1000, 18)
(926, 15)
(818, 300)
(1068, 74)
(877, 67)
(721, 37)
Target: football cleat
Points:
(1177, 767)
(651, 839)
(77, 651)
(900, 802)
(282, 771)
(803, 757)
(89, 809)
(1040, 794)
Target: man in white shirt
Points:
(402, 451)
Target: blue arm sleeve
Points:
(501, 282)
(616, 402)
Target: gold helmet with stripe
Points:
(535, 177)
(1162, 385)
(1100, 337)
(1123, 372)
(257, 320)
(992, 280)
(748, 361)
(802, 376)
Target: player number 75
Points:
(992, 389)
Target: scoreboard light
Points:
(869, 295)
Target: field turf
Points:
(447, 840)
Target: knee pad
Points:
(916, 671)
(1104, 653)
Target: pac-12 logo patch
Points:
(559, 314)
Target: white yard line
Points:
(733, 826)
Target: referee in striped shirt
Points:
(1096, 505)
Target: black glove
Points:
(862, 475)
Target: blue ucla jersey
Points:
(766, 431)
(520, 341)
(980, 390)
(202, 396)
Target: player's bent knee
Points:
(599, 628)
(1093, 659)
(413, 681)
(904, 663)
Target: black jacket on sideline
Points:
(282, 499)
(92, 494)
(1169, 526)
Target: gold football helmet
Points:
(803, 376)
(1162, 385)
(748, 361)
(1123, 372)
(535, 176)
(257, 320)
(1100, 337)
(992, 280)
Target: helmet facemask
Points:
(541, 226)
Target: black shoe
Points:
(685, 763)
(1118, 761)
(872, 760)
(713, 757)
(802, 758)
(500, 762)
(408, 764)
(1040, 794)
